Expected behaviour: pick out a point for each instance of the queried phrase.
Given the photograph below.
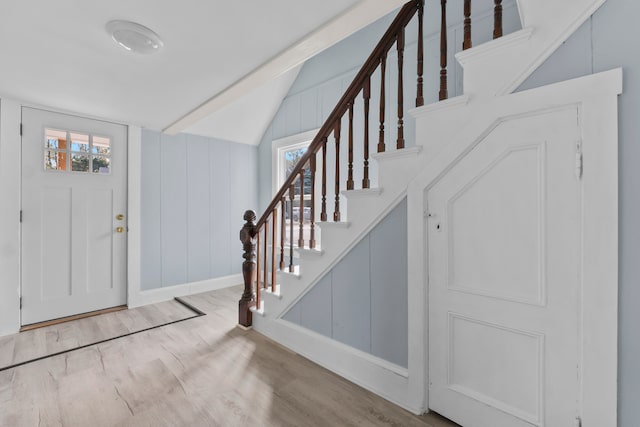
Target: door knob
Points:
(119, 229)
(119, 217)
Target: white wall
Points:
(10, 114)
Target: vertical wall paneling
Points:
(194, 191)
(150, 229)
(363, 300)
(173, 204)
(316, 308)
(198, 218)
(351, 289)
(220, 214)
(389, 304)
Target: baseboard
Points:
(153, 296)
(383, 378)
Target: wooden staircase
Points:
(273, 280)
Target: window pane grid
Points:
(85, 153)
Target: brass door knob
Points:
(119, 217)
(119, 229)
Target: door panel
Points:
(503, 238)
(73, 189)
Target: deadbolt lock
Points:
(119, 217)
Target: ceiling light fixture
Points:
(134, 37)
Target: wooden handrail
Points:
(388, 39)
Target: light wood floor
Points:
(52, 339)
(200, 372)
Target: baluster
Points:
(400, 44)
(497, 19)
(336, 209)
(291, 197)
(419, 94)
(350, 167)
(248, 240)
(258, 274)
(274, 217)
(383, 67)
(323, 213)
(367, 95)
(301, 211)
(283, 227)
(466, 44)
(265, 283)
(312, 219)
(443, 52)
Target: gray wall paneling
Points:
(362, 301)
(194, 192)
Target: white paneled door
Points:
(74, 227)
(504, 285)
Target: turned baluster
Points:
(248, 239)
(312, 218)
(274, 217)
(265, 283)
(366, 93)
(466, 44)
(258, 273)
(497, 19)
(291, 198)
(383, 67)
(336, 209)
(350, 166)
(323, 213)
(282, 231)
(419, 94)
(443, 52)
(400, 45)
(301, 211)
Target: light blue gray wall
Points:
(194, 193)
(324, 78)
(362, 301)
(609, 40)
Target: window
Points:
(76, 152)
(286, 154)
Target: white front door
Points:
(73, 215)
(504, 286)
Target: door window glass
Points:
(84, 153)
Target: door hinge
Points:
(579, 162)
(20, 129)
(578, 422)
(21, 216)
(20, 303)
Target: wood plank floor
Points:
(59, 337)
(200, 372)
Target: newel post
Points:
(248, 239)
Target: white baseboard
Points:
(383, 378)
(164, 294)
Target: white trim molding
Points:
(10, 164)
(153, 296)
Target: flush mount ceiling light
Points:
(134, 37)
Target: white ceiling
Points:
(217, 58)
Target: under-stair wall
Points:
(373, 278)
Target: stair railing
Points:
(260, 258)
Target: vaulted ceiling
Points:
(222, 60)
